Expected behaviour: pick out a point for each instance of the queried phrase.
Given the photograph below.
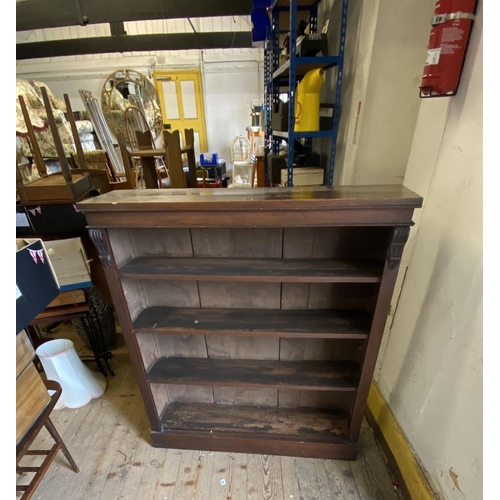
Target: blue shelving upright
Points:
(278, 78)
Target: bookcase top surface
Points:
(253, 199)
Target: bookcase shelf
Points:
(301, 375)
(260, 270)
(301, 323)
(257, 338)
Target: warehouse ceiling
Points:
(111, 26)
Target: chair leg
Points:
(55, 435)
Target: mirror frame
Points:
(124, 76)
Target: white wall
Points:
(228, 98)
(430, 370)
(231, 80)
(391, 103)
(360, 34)
(384, 58)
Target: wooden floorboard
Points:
(109, 440)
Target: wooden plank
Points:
(312, 375)
(268, 218)
(225, 347)
(350, 242)
(121, 245)
(297, 198)
(77, 428)
(290, 478)
(205, 466)
(238, 466)
(68, 297)
(31, 399)
(185, 486)
(190, 394)
(171, 293)
(239, 295)
(259, 270)
(342, 296)
(220, 482)
(254, 322)
(134, 297)
(101, 444)
(335, 480)
(307, 478)
(124, 476)
(178, 346)
(24, 352)
(234, 242)
(245, 396)
(165, 242)
(192, 346)
(342, 400)
(264, 478)
(168, 476)
(153, 467)
(301, 422)
(371, 475)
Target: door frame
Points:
(160, 75)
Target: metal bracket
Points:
(442, 18)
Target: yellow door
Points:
(181, 99)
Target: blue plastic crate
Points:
(209, 159)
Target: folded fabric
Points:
(86, 137)
(84, 127)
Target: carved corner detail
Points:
(100, 242)
(399, 239)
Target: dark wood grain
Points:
(310, 323)
(263, 270)
(303, 422)
(297, 198)
(208, 218)
(301, 446)
(312, 375)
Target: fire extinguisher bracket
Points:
(442, 18)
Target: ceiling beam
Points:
(126, 43)
(38, 14)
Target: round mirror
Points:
(130, 103)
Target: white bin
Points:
(62, 364)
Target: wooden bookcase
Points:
(253, 319)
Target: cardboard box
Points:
(70, 263)
(36, 281)
(279, 117)
(326, 112)
(307, 176)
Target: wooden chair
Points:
(100, 177)
(22, 448)
(129, 180)
(174, 159)
(188, 150)
(145, 142)
(61, 187)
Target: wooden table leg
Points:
(149, 173)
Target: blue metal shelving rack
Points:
(278, 78)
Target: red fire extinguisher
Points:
(450, 33)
